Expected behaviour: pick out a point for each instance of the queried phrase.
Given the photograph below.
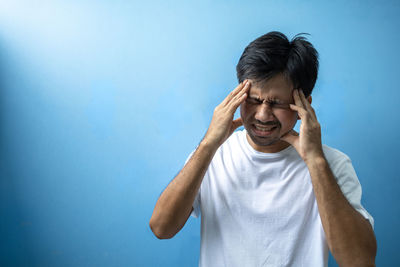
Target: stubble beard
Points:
(266, 141)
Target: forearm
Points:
(349, 236)
(175, 203)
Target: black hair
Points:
(272, 54)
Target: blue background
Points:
(101, 102)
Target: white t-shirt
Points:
(259, 209)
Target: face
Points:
(266, 113)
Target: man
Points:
(267, 195)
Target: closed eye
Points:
(254, 101)
(272, 104)
(281, 105)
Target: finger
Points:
(233, 93)
(307, 104)
(302, 98)
(301, 111)
(237, 123)
(238, 89)
(235, 103)
(297, 99)
(239, 97)
(240, 93)
(291, 137)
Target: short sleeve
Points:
(196, 203)
(196, 206)
(350, 185)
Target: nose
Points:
(264, 113)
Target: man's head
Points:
(275, 66)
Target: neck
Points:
(273, 148)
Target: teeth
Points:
(266, 129)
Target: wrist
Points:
(316, 160)
(209, 145)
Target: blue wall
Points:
(102, 101)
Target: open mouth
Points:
(263, 130)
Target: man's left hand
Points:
(308, 144)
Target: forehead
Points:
(278, 86)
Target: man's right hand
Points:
(222, 124)
(174, 205)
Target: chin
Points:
(264, 141)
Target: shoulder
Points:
(236, 137)
(233, 143)
(235, 140)
(339, 162)
(334, 155)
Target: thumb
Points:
(290, 137)
(237, 123)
